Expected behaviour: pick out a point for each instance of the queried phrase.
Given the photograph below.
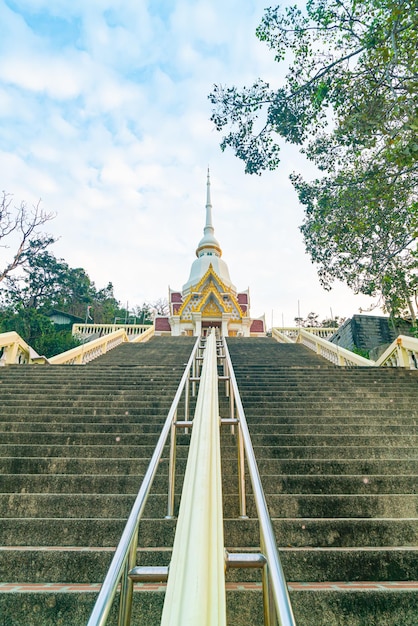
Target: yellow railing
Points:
(84, 331)
(13, 350)
(403, 352)
(90, 350)
(196, 581)
(95, 348)
(144, 336)
(292, 332)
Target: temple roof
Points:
(208, 252)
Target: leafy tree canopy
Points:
(45, 283)
(38, 331)
(350, 102)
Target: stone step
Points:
(87, 439)
(95, 388)
(280, 505)
(78, 565)
(95, 412)
(155, 421)
(327, 414)
(84, 402)
(88, 376)
(279, 416)
(394, 603)
(144, 439)
(343, 428)
(272, 483)
(284, 452)
(156, 532)
(136, 465)
(331, 387)
(350, 405)
(94, 416)
(115, 426)
(311, 488)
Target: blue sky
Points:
(104, 116)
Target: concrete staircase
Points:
(75, 443)
(336, 454)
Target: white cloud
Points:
(110, 126)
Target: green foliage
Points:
(349, 101)
(44, 284)
(364, 353)
(38, 331)
(143, 314)
(48, 283)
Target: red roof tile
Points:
(162, 323)
(257, 326)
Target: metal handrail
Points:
(125, 554)
(195, 591)
(275, 586)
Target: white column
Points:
(197, 324)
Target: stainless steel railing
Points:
(277, 606)
(195, 592)
(124, 558)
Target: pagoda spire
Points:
(208, 243)
(208, 204)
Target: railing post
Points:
(226, 374)
(127, 586)
(402, 354)
(172, 469)
(241, 475)
(194, 377)
(11, 353)
(231, 402)
(186, 399)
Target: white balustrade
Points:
(89, 330)
(403, 352)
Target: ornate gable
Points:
(211, 297)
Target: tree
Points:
(349, 101)
(311, 321)
(38, 331)
(160, 306)
(144, 313)
(48, 283)
(19, 227)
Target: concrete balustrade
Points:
(403, 352)
(88, 330)
(292, 332)
(14, 350)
